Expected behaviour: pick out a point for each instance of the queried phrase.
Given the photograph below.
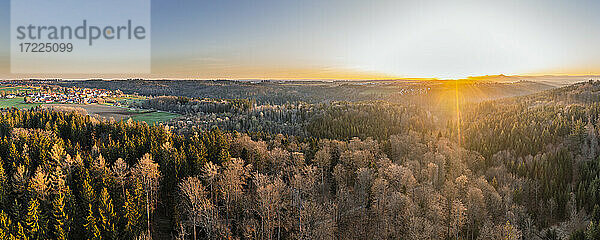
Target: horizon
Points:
(484, 78)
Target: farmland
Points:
(17, 103)
(109, 112)
(15, 89)
(96, 110)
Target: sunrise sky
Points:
(347, 39)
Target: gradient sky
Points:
(348, 39)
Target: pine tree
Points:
(5, 226)
(132, 213)
(26, 160)
(56, 180)
(107, 215)
(15, 211)
(224, 155)
(13, 155)
(34, 229)
(196, 155)
(21, 233)
(57, 153)
(3, 186)
(91, 229)
(87, 192)
(60, 230)
(38, 184)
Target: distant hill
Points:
(278, 92)
(555, 80)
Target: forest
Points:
(314, 92)
(525, 166)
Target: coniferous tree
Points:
(5, 226)
(33, 220)
(21, 235)
(133, 212)
(91, 228)
(3, 184)
(60, 228)
(15, 211)
(107, 215)
(87, 192)
(56, 180)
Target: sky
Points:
(352, 39)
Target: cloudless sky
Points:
(366, 39)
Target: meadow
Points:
(14, 89)
(17, 103)
(117, 113)
(153, 117)
(98, 110)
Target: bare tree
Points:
(269, 196)
(457, 216)
(147, 172)
(120, 169)
(323, 160)
(196, 206)
(231, 181)
(210, 173)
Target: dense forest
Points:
(525, 167)
(283, 92)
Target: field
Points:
(17, 102)
(116, 113)
(127, 100)
(153, 117)
(97, 110)
(15, 89)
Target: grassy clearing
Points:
(18, 103)
(154, 117)
(9, 90)
(127, 100)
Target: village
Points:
(57, 94)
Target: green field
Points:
(9, 90)
(18, 103)
(127, 100)
(154, 117)
(107, 111)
